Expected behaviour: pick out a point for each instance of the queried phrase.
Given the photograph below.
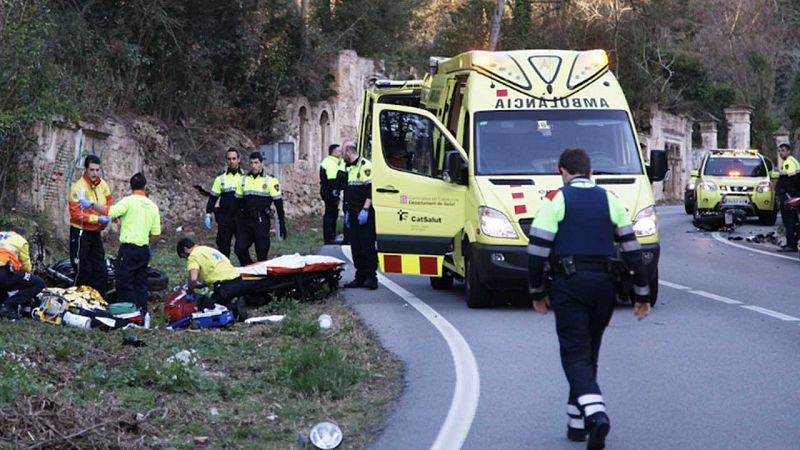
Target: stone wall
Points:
(181, 159)
(672, 133)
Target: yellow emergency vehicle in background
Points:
(462, 160)
(729, 179)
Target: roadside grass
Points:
(244, 386)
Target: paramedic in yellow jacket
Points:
(139, 221)
(210, 266)
(256, 193)
(15, 273)
(89, 200)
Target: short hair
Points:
(575, 161)
(138, 181)
(332, 148)
(786, 146)
(256, 155)
(184, 243)
(90, 159)
(20, 231)
(232, 149)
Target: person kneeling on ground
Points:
(15, 273)
(210, 266)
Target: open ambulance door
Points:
(419, 187)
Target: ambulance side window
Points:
(407, 140)
(366, 135)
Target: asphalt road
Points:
(715, 366)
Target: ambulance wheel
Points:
(156, 280)
(478, 295)
(442, 283)
(767, 217)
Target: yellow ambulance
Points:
(462, 160)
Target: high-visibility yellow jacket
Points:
(99, 193)
(14, 249)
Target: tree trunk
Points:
(497, 19)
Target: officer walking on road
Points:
(15, 273)
(86, 252)
(788, 186)
(576, 230)
(256, 192)
(140, 220)
(224, 189)
(359, 218)
(332, 178)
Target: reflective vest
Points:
(257, 191)
(14, 250)
(359, 185)
(99, 193)
(224, 188)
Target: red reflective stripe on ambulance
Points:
(520, 209)
(516, 195)
(393, 264)
(428, 265)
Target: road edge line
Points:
(457, 424)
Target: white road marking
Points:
(770, 313)
(718, 237)
(716, 297)
(459, 418)
(673, 285)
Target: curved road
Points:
(714, 367)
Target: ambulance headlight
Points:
(708, 186)
(646, 222)
(763, 187)
(495, 224)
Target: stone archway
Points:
(324, 133)
(303, 137)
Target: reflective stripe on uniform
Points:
(430, 265)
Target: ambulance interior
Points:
(530, 142)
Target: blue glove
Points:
(363, 216)
(190, 297)
(103, 220)
(335, 193)
(85, 204)
(347, 219)
(207, 221)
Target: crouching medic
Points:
(15, 273)
(210, 266)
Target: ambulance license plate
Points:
(736, 201)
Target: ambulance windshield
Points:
(530, 142)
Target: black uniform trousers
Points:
(329, 217)
(131, 275)
(789, 218)
(226, 229)
(26, 283)
(583, 305)
(362, 245)
(252, 229)
(88, 258)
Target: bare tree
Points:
(497, 19)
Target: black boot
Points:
(598, 426)
(353, 284)
(371, 284)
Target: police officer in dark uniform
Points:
(576, 230)
(788, 186)
(256, 193)
(332, 179)
(224, 190)
(359, 219)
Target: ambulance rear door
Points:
(419, 206)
